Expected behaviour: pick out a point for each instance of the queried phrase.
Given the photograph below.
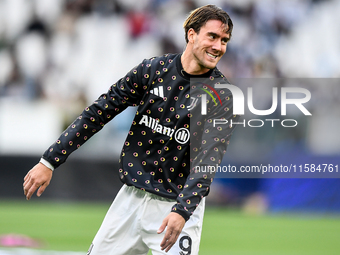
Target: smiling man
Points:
(161, 204)
(206, 43)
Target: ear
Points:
(191, 35)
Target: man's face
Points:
(210, 43)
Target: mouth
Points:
(212, 55)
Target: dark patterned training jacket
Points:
(157, 155)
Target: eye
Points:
(225, 41)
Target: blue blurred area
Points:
(306, 194)
(319, 195)
(302, 195)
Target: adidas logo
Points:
(158, 91)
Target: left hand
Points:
(174, 224)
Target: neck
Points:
(190, 64)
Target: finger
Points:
(162, 227)
(27, 186)
(171, 242)
(27, 175)
(26, 181)
(169, 247)
(42, 189)
(31, 191)
(166, 239)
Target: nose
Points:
(217, 46)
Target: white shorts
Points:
(130, 226)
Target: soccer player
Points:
(161, 204)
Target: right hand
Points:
(174, 224)
(38, 177)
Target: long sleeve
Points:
(128, 91)
(209, 143)
(168, 138)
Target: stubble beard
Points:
(201, 62)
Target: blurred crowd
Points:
(74, 49)
(68, 52)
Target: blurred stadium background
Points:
(58, 56)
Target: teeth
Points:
(210, 55)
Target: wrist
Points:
(46, 163)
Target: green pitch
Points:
(66, 226)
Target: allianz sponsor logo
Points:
(181, 135)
